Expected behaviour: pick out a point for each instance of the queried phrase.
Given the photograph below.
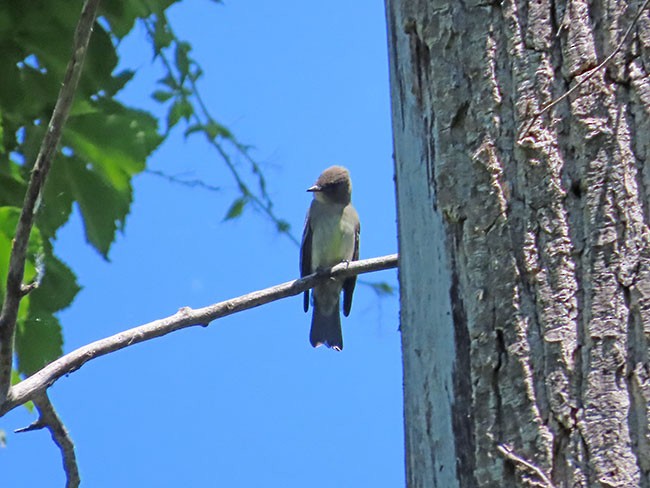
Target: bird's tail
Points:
(326, 329)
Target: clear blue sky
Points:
(245, 402)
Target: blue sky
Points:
(245, 402)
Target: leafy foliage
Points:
(104, 145)
(381, 288)
(179, 90)
(235, 209)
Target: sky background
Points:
(246, 402)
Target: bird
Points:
(330, 236)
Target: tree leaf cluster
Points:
(104, 144)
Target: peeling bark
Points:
(524, 242)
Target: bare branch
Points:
(50, 420)
(507, 452)
(590, 73)
(27, 289)
(194, 183)
(186, 317)
(14, 290)
(37, 424)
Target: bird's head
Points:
(333, 186)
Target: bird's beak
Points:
(314, 188)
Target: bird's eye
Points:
(333, 185)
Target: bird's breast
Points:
(332, 240)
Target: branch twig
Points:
(590, 73)
(50, 420)
(14, 292)
(186, 317)
(260, 201)
(506, 452)
(195, 183)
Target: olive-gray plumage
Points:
(331, 236)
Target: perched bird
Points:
(331, 236)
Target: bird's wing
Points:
(348, 284)
(305, 257)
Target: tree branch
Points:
(589, 74)
(49, 419)
(44, 159)
(194, 183)
(29, 388)
(507, 452)
(188, 87)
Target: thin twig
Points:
(590, 73)
(13, 292)
(185, 317)
(37, 424)
(506, 452)
(261, 203)
(49, 419)
(195, 183)
(27, 289)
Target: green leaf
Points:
(38, 333)
(212, 129)
(109, 147)
(215, 130)
(174, 114)
(29, 148)
(283, 226)
(122, 15)
(193, 129)
(12, 186)
(2, 137)
(38, 342)
(57, 288)
(49, 41)
(162, 36)
(118, 82)
(82, 106)
(382, 288)
(170, 81)
(57, 200)
(236, 209)
(8, 221)
(157, 6)
(104, 146)
(196, 73)
(180, 108)
(99, 64)
(161, 95)
(117, 139)
(181, 58)
(6, 236)
(104, 204)
(39, 90)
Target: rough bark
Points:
(524, 243)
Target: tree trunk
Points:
(524, 242)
